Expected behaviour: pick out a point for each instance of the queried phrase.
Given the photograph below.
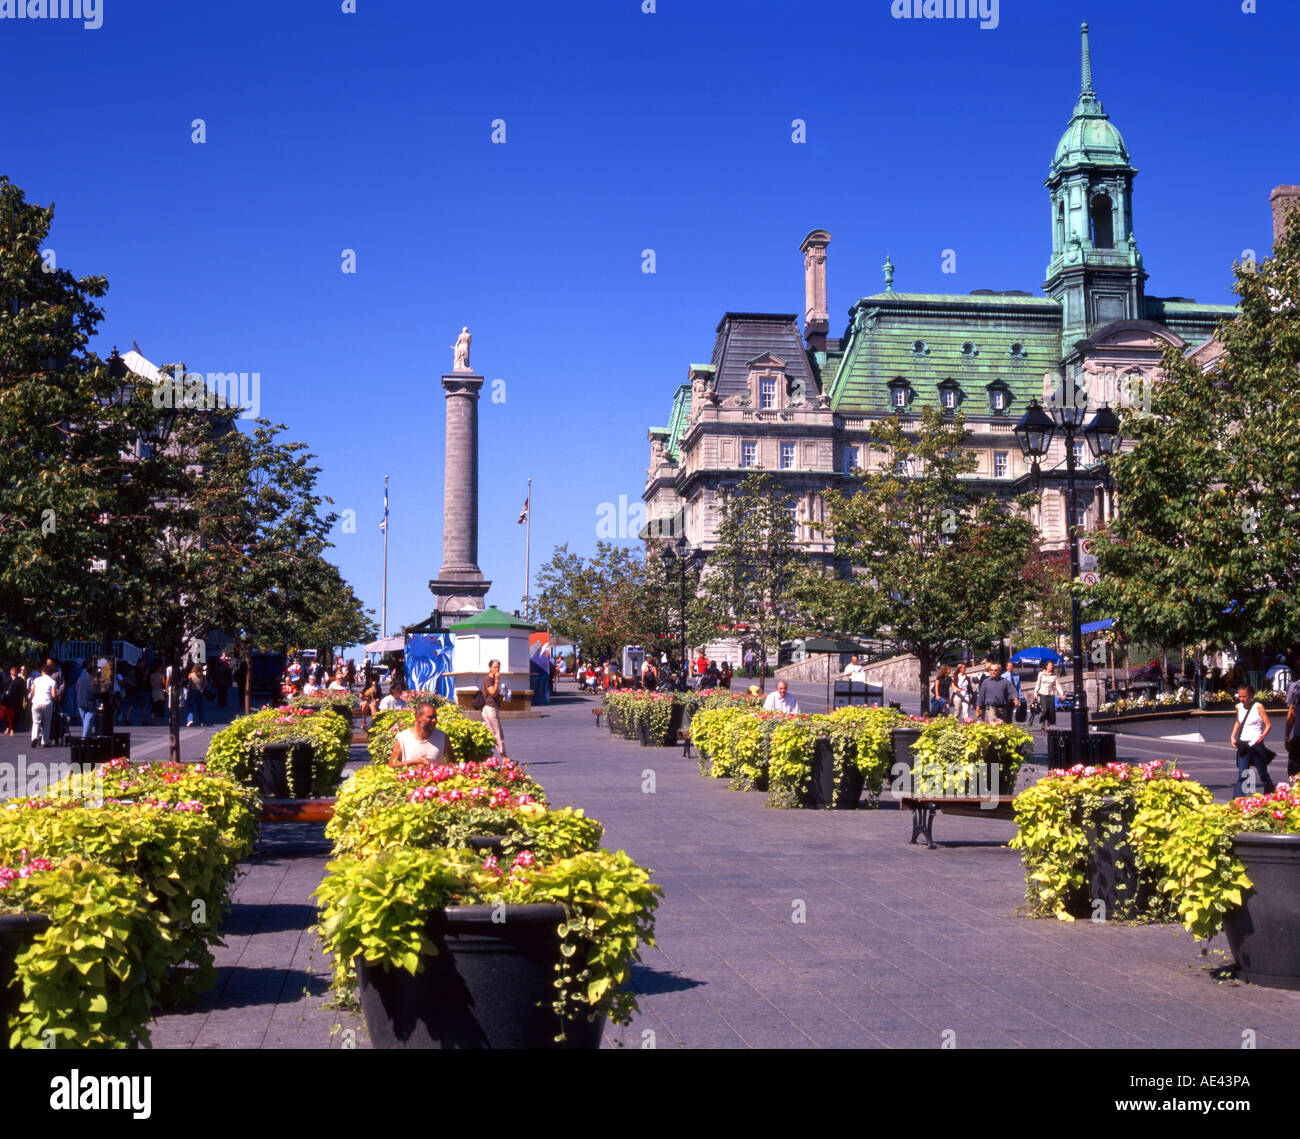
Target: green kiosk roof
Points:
(490, 619)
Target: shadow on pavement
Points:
(248, 918)
(650, 982)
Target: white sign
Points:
(1087, 556)
(1090, 578)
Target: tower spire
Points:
(1086, 88)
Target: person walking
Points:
(158, 694)
(222, 678)
(961, 694)
(492, 692)
(940, 692)
(42, 694)
(1248, 736)
(195, 686)
(1046, 689)
(997, 696)
(749, 664)
(86, 700)
(12, 691)
(1293, 729)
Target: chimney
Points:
(816, 320)
(1284, 199)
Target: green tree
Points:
(1206, 544)
(755, 570)
(937, 563)
(70, 493)
(1046, 615)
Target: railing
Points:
(84, 650)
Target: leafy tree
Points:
(601, 603)
(1206, 544)
(68, 486)
(1046, 615)
(755, 569)
(937, 563)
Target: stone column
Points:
(460, 585)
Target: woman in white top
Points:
(961, 693)
(423, 743)
(1248, 735)
(1046, 689)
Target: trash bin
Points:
(92, 750)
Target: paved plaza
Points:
(782, 929)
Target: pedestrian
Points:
(369, 701)
(140, 694)
(961, 693)
(1293, 729)
(749, 664)
(86, 700)
(493, 692)
(1248, 736)
(1046, 689)
(997, 696)
(42, 694)
(701, 664)
(222, 678)
(12, 692)
(195, 686)
(158, 694)
(940, 691)
(778, 701)
(649, 677)
(724, 675)
(423, 742)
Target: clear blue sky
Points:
(625, 131)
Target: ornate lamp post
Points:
(681, 554)
(1035, 433)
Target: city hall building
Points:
(802, 404)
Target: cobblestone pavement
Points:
(786, 929)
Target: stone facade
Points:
(803, 405)
(459, 587)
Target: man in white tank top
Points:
(1248, 735)
(423, 743)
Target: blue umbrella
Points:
(1037, 655)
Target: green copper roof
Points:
(1090, 139)
(980, 300)
(678, 419)
(491, 618)
(892, 340)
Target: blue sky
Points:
(624, 131)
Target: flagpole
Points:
(383, 608)
(528, 534)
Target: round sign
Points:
(1090, 578)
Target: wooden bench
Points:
(923, 808)
(684, 738)
(598, 712)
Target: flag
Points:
(384, 524)
(523, 514)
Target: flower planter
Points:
(613, 720)
(490, 985)
(279, 761)
(17, 932)
(904, 738)
(643, 733)
(1264, 932)
(1113, 877)
(822, 792)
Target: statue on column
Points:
(461, 349)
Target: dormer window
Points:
(767, 393)
(900, 395)
(969, 350)
(920, 348)
(949, 395)
(999, 398)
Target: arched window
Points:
(1101, 223)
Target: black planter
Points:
(487, 843)
(91, 750)
(1099, 748)
(904, 738)
(278, 761)
(822, 792)
(490, 985)
(613, 721)
(17, 932)
(1264, 932)
(643, 733)
(1113, 877)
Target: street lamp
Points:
(681, 554)
(1034, 433)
